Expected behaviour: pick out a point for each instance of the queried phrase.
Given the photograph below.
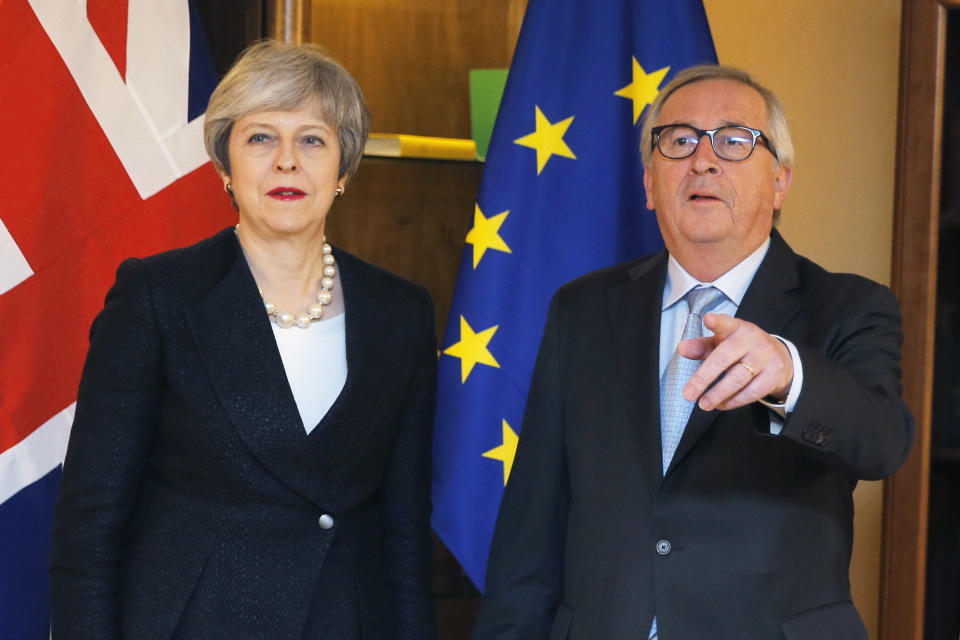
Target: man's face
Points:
(704, 203)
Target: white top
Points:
(734, 284)
(315, 361)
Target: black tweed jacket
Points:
(194, 505)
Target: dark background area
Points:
(942, 614)
(228, 26)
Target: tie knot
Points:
(702, 299)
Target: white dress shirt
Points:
(734, 284)
(315, 361)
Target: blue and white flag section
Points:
(561, 195)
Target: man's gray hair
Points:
(275, 76)
(778, 132)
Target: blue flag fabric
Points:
(561, 195)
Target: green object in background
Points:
(486, 89)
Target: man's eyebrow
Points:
(723, 123)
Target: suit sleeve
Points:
(850, 411)
(525, 569)
(117, 408)
(407, 542)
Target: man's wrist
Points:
(791, 393)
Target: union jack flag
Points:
(102, 115)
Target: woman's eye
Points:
(258, 138)
(313, 141)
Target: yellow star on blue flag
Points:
(644, 88)
(506, 451)
(485, 234)
(472, 349)
(547, 139)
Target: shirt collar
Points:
(733, 283)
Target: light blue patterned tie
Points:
(674, 408)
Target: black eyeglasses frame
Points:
(756, 133)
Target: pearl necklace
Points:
(285, 320)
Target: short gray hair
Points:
(779, 133)
(276, 76)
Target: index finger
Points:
(726, 353)
(696, 348)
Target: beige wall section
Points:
(835, 67)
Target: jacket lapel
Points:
(236, 344)
(770, 302)
(635, 325)
(773, 297)
(375, 349)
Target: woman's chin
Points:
(287, 225)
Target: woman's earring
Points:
(233, 199)
(339, 191)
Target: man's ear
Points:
(647, 182)
(783, 178)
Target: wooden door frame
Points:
(914, 280)
(287, 20)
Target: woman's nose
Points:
(286, 158)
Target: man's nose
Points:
(704, 158)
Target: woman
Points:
(250, 453)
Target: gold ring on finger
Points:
(753, 373)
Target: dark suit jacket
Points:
(754, 530)
(191, 496)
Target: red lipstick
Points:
(286, 193)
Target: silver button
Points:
(663, 547)
(325, 521)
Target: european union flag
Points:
(561, 195)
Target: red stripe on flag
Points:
(74, 214)
(46, 319)
(65, 180)
(109, 20)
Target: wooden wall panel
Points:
(913, 278)
(409, 217)
(412, 57)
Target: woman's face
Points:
(284, 167)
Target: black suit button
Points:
(816, 438)
(325, 521)
(663, 547)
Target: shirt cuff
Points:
(780, 410)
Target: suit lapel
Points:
(634, 309)
(772, 299)
(770, 303)
(374, 352)
(235, 341)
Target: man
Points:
(624, 518)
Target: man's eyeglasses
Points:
(736, 143)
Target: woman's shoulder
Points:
(188, 271)
(222, 246)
